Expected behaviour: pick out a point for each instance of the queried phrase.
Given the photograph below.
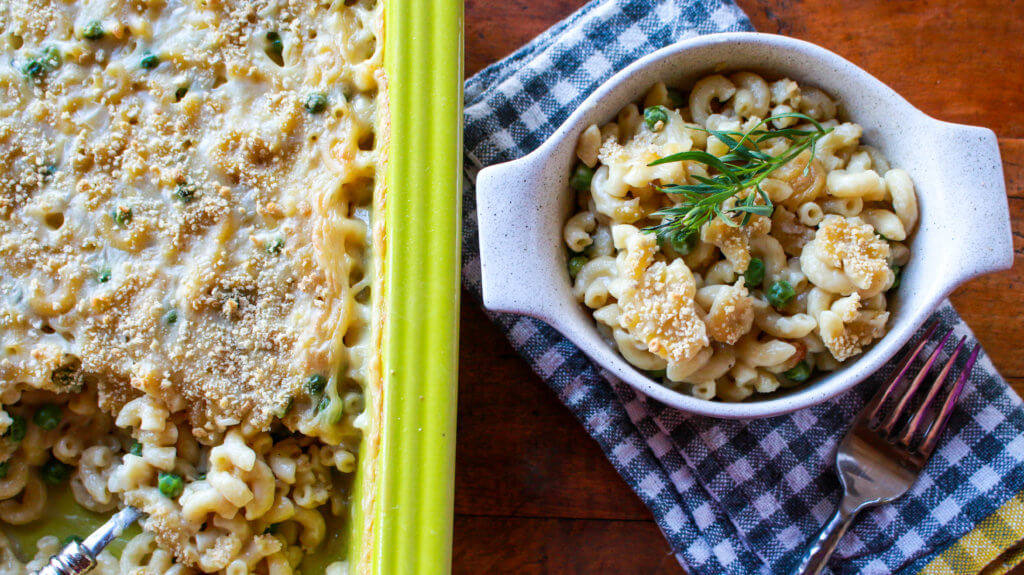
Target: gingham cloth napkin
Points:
(730, 496)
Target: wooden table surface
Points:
(534, 494)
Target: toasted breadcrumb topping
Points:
(657, 299)
(851, 245)
(731, 315)
(735, 241)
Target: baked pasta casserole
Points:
(737, 239)
(186, 272)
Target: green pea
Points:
(676, 98)
(47, 416)
(103, 275)
(33, 69)
(93, 30)
(185, 192)
(754, 274)
(171, 317)
(581, 176)
(54, 471)
(180, 93)
(5, 468)
(682, 243)
(799, 373)
(323, 404)
(576, 264)
(51, 57)
(122, 215)
(149, 60)
(36, 68)
(897, 272)
(657, 373)
(655, 117)
(135, 448)
(71, 539)
(780, 293)
(170, 484)
(17, 430)
(275, 245)
(316, 103)
(275, 48)
(315, 384)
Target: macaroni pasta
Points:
(737, 309)
(186, 248)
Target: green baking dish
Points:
(401, 517)
(415, 471)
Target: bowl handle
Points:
(978, 212)
(520, 247)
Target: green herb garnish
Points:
(135, 448)
(744, 167)
(103, 275)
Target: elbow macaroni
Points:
(187, 251)
(841, 215)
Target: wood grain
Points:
(534, 494)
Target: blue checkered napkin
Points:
(731, 497)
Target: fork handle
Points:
(817, 554)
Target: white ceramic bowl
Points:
(964, 229)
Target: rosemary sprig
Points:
(745, 166)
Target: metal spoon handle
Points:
(78, 558)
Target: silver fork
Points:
(888, 445)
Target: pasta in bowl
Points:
(751, 224)
(734, 250)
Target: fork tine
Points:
(887, 426)
(910, 430)
(901, 372)
(932, 439)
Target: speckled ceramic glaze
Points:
(964, 229)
